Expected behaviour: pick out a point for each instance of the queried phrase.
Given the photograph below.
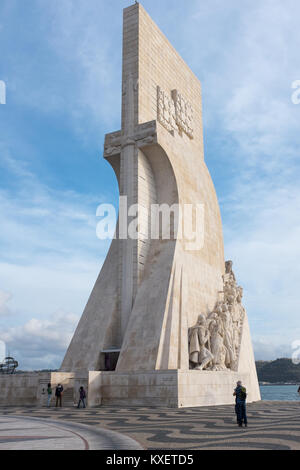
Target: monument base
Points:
(172, 388)
(176, 388)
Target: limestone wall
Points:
(66, 379)
(162, 312)
(247, 363)
(208, 388)
(30, 389)
(94, 385)
(80, 380)
(23, 389)
(147, 195)
(133, 389)
(167, 388)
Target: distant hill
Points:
(279, 371)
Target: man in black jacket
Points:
(58, 393)
(240, 404)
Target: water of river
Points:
(280, 392)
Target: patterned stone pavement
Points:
(28, 433)
(272, 425)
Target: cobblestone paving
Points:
(272, 425)
(19, 432)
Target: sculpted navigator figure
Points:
(234, 313)
(199, 354)
(214, 342)
(228, 337)
(217, 346)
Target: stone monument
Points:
(164, 324)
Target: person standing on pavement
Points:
(240, 404)
(82, 397)
(59, 393)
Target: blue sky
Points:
(61, 62)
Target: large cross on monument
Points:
(165, 321)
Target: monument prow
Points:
(164, 315)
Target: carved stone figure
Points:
(174, 112)
(221, 332)
(218, 348)
(228, 336)
(228, 268)
(199, 354)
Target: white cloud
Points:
(40, 343)
(247, 64)
(266, 350)
(50, 253)
(79, 67)
(247, 58)
(263, 240)
(4, 299)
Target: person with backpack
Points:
(240, 394)
(59, 393)
(49, 391)
(82, 397)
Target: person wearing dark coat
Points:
(59, 393)
(240, 404)
(82, 397)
